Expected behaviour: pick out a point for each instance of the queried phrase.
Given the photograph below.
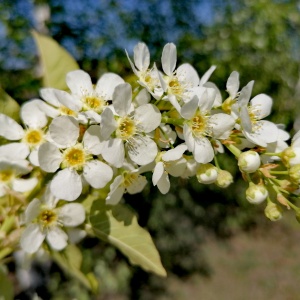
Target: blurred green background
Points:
(259, 39)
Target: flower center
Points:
(93, 103)
(175, 87)
(126, 129)
(129, 179)
(199, 125)
(6, 175)
(74, 157)
(47, 217)
(253, 112)
(148, 78)
(33, 137)
(67, 111)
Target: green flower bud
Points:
(249, 161)
(256, 193)
(291, 156)
(294, 173)
(224, 179)
(273, 212)
(207, 173)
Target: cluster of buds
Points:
(108, 135)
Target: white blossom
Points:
(44, 220)
(74, 159)
(129, 129)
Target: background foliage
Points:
(256, 38)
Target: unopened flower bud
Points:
(256, 193)
(207, 173)
(224, 179)
(273, 212)
(294, 173)
(249, 161)
(291, 156)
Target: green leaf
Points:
(70, 260)
(6, 287)
(118, 225)
(56, 61)
(9, 106)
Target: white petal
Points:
(10, 129)
(138, 185)
(135, 71)
(188, 109)
(34, 157)
(48, 94)
(49, 110)
(66, 185)
(106, 85)
(162, 81)
(245, 119)
(57, 238)
(207, 99)
(113, 152)
(23, 185)
(188, 137)
(49, 199)
(67, 100)
(144, 151)
(64, 130)
(90, 115)
(122, 98)
(283, 135)
(175, 153)
(149, 117)
(206, 75)
(141, 56)
(108, 124)
(168, 58)
(14, 151)
(176, 168)
(32, 115)
(265, 133)
(164, 184)
(218, 97)
(221, 123)
(79, 82)
(49, 157)
(32, 210)
(32, 238)
(233, 84)
(174, 102)
(158, 172)
(203, 151)
(263, 105)
(116, 191)
(75, 235)
(18, 167)
(188, 74)
(71, 214)
(245, 94)
(143, 97)
(92, 140)
(97, 173)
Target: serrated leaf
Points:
(118, 225)
(9, 106)
(56, 61)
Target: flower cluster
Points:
(108, 135)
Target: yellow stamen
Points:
(33, 137)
